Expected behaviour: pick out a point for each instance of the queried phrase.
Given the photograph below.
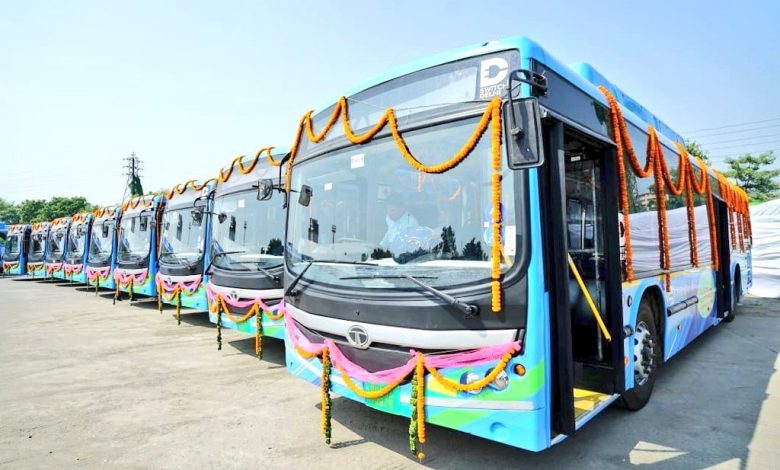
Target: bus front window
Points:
(76, 241)
(101, 244)
(182, 238)
(56, 245)
(135, 234)
(12, 247)
(369, 207)
(37, 247)
(247, 233)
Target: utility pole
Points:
(133, 173)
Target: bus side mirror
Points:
(523, 130)
(144, 223)
(104, 229)
(265, 189)
(197, 216)
(304, 197)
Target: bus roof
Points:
(581, 75)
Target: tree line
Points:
(40, 210)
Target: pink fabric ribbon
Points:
(93, 273)
(73, 268)
(184, 288)
(53, 267)
(459, 359)
(211, 295)
(138, 278)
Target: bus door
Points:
(583, 232)
(723, 276)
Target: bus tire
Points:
(734, 298)
(646, 357)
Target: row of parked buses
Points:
(486, 240)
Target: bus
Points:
(101, 257)
(59, 233)
(79, 240)
(185, 246)
(477, 240)
(137, 246)
(17, 243)
(245, 272)
(36, 256)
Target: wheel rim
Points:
(644, 353)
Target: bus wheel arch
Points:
(646, 348)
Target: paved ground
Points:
(85, 384)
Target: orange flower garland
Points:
(491, 116)
(656, 165)
(180, 189)
(237, 162)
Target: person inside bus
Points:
(398, 219)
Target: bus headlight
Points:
(469, 378)
(501, 382)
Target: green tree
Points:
(9, 213)
(65, 207)
(31, 210)
(136, 189)
(752, 174)
(695, 149)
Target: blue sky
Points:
(189, 85)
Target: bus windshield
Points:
(368, 207)
(135, 235)
(101, 245)
(12, 245)
(37, 247)
(56, 245)
(76, 241)
(182, 238)
(247, 233)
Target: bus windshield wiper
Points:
(468, 309)
(267, 273)
(222, 253)
(319, 261)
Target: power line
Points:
(732, 125)
(744, 145)
(738, 131)
(741, 139)
(133, 172)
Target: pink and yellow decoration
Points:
(52, 268)
(97, 275)
(171, 291)
(415, 369)
(128, 281)
(219, 303)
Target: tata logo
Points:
(358, 337)
(232, 295)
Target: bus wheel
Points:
(646, 359)
(734, 299)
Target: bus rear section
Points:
(137, 247)
(246, 264)
(16, 250)
(59, 233)
(101, 257)
(486, 263)
(76, 260)
(36, 256)
(185, 246)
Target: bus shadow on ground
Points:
(703, 412)
(273, 349)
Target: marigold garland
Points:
(491, 116)
(180, 189)
(237, 162)
(259, 336)
(656, 166)
(326, 402)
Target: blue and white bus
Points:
(36, 256)
(59, 233)
(245, 274)
(137, 246)
(79, 241)
(476, 240)
(17, 244)
(185, 246)
(101, 257)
